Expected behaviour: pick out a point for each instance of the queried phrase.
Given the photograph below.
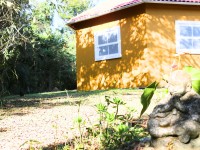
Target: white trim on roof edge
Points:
(71, 21)
(114, 10)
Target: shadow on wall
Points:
(161, 41)
(148, 48)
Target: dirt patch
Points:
(44, 125)
(50, 121)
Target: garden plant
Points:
(113, 130)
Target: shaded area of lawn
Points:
(58, 98)
(61, 107)
(16, 105)
(72, 93)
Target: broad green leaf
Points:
(196, 86)
(195, 75)
(147, 96)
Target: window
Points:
(188, 37)
(107, 44)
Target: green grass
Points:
(14, 104)
(72, 93)
(62, 97)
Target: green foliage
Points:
(13, 35)
(74, 7)
(117, 132)
(32, 145)
(34, 56)
(80, 122)
(149, 91)
(42, 18)
(113, 131)
(101, 108)
(147, 96)
(14, 23)
(195, 75)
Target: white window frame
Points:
(179, 37)
(96, 45)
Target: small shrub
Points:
(113, 131)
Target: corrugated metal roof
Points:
(115, 5)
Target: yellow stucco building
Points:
(131, 43)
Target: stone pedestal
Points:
(173, 143)
(175, 125)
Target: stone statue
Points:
(178, 119)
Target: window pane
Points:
(196, 44)
(112, 37)
(196, 31)
(113, 49)
(102, 39)
(103, 50)
(185, 31)
(186, 43)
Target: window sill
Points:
(108, 57)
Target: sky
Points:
(58, 22)
(99, 1)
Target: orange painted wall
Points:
(148, 47)
(161, 44)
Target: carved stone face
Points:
(179, 83)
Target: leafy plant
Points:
(80, 123)
(32, 145)
(149, 90)
(195, 75)
(115, 130)
(147, 96)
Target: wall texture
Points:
(148, 47)
(161, 40)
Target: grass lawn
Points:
(12, 104)
(59, 104)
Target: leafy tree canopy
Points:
(34, 55)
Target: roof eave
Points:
(118, 9)
(128, 6)
(167, 2)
